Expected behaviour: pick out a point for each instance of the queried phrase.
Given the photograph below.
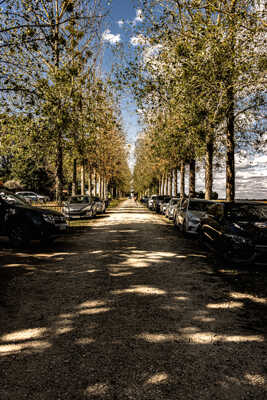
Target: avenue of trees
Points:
(59, 120)
(199, 79)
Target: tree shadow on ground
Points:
(128, 311)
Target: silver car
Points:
(171, 207)
(79, 207)
(32, 197)
(100, 205)
(189, 213)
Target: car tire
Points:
(19, 234)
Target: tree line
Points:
(60, 121)
(198, 74)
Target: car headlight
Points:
(49, 218)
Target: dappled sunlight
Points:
(92, 307)
(84, 341)
(255, 380)
(237, 295)
(211, 337)
(143, 290)
(158, 337)
(25, 266)
(99, 389)
(31, 346)
(93, 311)
(24, 334)
(157, 379)
(181, 298)
(24, 340)
(228, 304)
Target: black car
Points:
(22, 222)
(237, 231)
(80, 207)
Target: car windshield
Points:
(248, 212)
(198, 205)
(80, 200)
(174, 201)
(11, 198)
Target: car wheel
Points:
(19, 235)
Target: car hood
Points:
(78, 207)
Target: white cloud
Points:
(139, 16)
(110, 37)
(138, 40)
(120, 23)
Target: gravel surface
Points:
(128, 309)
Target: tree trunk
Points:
(182, 176)
(175, 182)
(74, 178)
(209, 167)
(230, 148)
(192, 178)
(90, 188)
(83, 177)
(95, 183)
(59, 169)
(171, 183)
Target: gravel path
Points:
(127, 310)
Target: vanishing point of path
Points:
(126, 310)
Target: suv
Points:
(22, 222)
(31, 197)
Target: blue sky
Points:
(251, 172)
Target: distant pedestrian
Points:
(135, 199)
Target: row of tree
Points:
(199, 78)
(59, 118)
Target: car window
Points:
(80, 200)
(198, 205)
(11, 198)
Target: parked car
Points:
(31, 197)
(189, 213)
(144, 200)
(171, 207)
(79, 207)
(163, 205)
(237, 231)
(100, 205)
(151, 201)
(158, 201)
(22, 222)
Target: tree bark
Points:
(90, 188)
(175, 182)
(230, 148)
(209, 167)
(192, 178)
(59, 169)
(74, 178)
(83, 177)
(182, 177)
(171, 183)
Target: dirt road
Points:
(127, 310)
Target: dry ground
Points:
(129, 309)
